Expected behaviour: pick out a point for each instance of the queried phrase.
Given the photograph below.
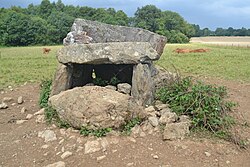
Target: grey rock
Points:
(184, 118)
(92, 146)
(66, 154)
(40, 112)
(107, 53)
(29, 116)
(130, 164)
(7, 99)
(57, 164)
(19, 122)
(62, 79)
(161, 106)
(124, 88)
(168, 117)
(147, 127)
(131, 139)
(165, 110)
(95, 106)
(102, 33)
(20, 100)
(100, 158)
(23, 110)
(150, 109)
(45, 146)
(207, 154)
(155, 156)
(48, 135)
(175, 131)
(137, 132)
(143, 88)
(111, 87)
(104, 143)
(40, 119)
(153, 121)
(3, 106)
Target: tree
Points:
(45, 9)
(60, 6)
(60, 24)
(146, 17)
(121, 18)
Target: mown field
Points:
(236, 41)
(29, 64)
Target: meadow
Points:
(230, 63)
(28, 64)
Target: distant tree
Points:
(60, 24)
(32, 10)
(45, 9)
(121, 18)
(146, 17)
(60, 6)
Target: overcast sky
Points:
(207, 13)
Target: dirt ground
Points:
(21, 146)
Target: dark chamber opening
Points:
(83, 73)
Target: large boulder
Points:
(108, 53)
(103, 33)
(95, 107)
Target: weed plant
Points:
(204, 104)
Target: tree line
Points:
(221, 31)
(48, 23)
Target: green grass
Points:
(231, 63)
(26, 64)
(29, 64)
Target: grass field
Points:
(28, 64)
(223, 41)
(231, 63)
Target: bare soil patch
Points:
(21, 146)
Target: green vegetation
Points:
(126, 129)
(26, 64)
(45, 93)
(204, 104)
(51, 115)
(231, 63)
(98, 133)
(48, 23)
(167, 23)
(100, 82)
(220, 31)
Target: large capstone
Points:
(95, 107)
(108, 53)
(105, 33)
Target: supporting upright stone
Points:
(143, 87)
(62, 79)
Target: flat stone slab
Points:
(108, 53)
(86, 31)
